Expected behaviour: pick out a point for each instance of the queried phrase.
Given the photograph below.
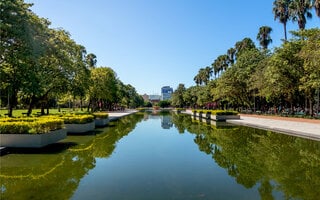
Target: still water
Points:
(165, 156)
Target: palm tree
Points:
(299, 11)
(91, 60)
(197, 79)
(281, 12)
(216, 68)
(243, 45)
(316, 5)
(231, 56)
(264, 36)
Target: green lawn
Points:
(18, 112)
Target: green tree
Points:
(282, 74)
(17, 47)
(177, 96)
(316, 5)
(264, 37)
(300, 11)
(91, 60)
(231, 56)
(103, 90)
(220, 64)
(203, 76)
(164, 104)
(310, 54)
(281, 12)
(234, 84)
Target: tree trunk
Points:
(32, 102)
(81, 104)
(311, 107)
(285, 31)
(47, 108)
(12, 101)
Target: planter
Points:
(101, 122)
(80, 128)
(32, 140)
(224, 117)
(208, 115)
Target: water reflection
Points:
(166, 121)
(55, 172)
(275, 166)
(163, 115)
(273, 162)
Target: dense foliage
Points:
(29, 125)
(43, 67)
(286, 79)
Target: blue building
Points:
(166, 92)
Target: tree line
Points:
(256, 78)
(42, 66)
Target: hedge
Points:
(101, 115)
(77, 119)
(29, 125)
(217, 112)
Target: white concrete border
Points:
(80, 128)
(32, 140)
(101, 122)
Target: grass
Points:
(18, 112)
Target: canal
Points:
(165, 156)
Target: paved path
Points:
(114, 115)
(306, 128)
(301, 128)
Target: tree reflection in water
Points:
(54, 172)
(275, 162)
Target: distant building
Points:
(166, 92)
(145, 97)
(154, 98)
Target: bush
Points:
(224, 112)
(29, 125)
(100, 115)
(217, 112)
(77, 119)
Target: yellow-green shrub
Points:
(101, 115)
(29, 125)
(216, 112)
(77, 119)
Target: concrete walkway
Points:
(115, 115)
(299, 129)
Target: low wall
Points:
(80, 128)
(32, 140)
(224, 117)
(101, 122)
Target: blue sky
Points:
(154, 43)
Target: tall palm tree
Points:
(281, 12)
(264, 36)
(316, 5)
(231, 56)
(216, 67)
(300, 11)
(208, 72)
